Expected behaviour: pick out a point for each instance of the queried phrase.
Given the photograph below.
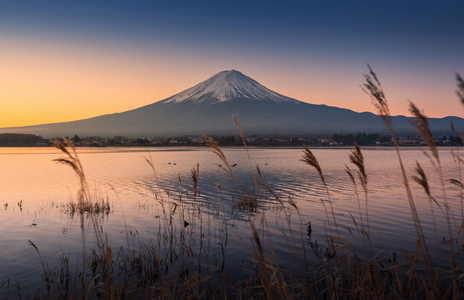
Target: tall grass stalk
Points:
(374, 89)
(423, 181)
(423, 128)
(357, 158)
(458, 161)
(184, 260)
(310, 159)
(247, 152)
(460, 90)
(72, 160)
(349, 172)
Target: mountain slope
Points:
(226, 86)
(207, 108)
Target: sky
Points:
(69, 60)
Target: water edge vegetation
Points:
(176, 263)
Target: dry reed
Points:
(178, 263)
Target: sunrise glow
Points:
(57, 66)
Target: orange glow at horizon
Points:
(48, 82)
(58, 85)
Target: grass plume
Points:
(189, 259)
(460, 90)
(374, 89)
(421, 123)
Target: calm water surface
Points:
(35, 192)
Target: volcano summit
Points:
(208, 107)
(228, 86)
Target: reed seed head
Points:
(422, 181)
(460, 90)
(421, 122)
(373, 88)
(457, 183)
(357, 158)
(195, 174)
(216, 150)
(311, 160)
(422, 178)
(350, 174)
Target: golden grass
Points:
(178, 262)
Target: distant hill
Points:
(207, 108)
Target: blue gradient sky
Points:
(64, 60)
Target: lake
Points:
(35, 193)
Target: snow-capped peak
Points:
(226, 86)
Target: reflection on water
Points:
(35, 194)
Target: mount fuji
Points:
(208, 107)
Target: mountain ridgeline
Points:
(208, 107)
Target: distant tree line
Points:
(361, 138)
(228, 140)
(272, 140)
(19, 139)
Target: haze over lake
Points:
(35, 193)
